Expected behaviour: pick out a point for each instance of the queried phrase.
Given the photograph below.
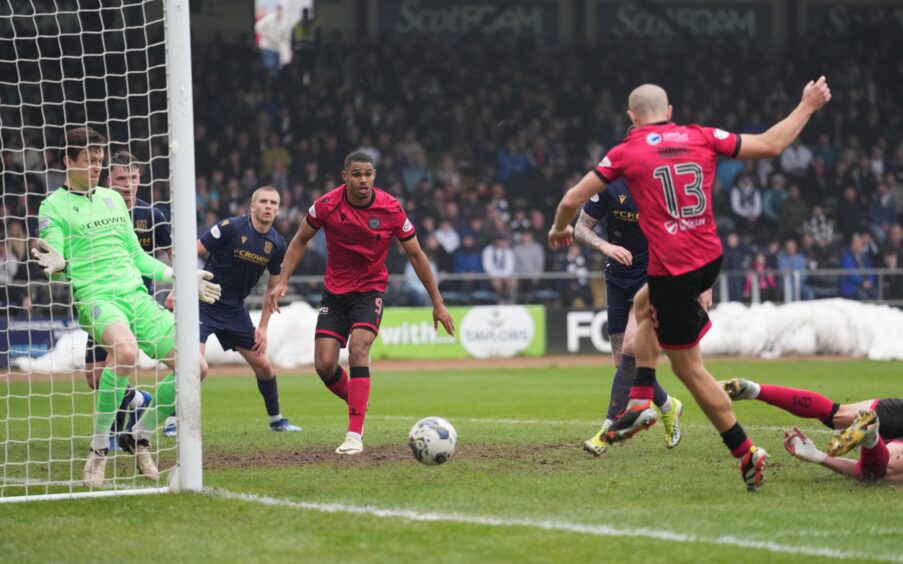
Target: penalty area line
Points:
(551, 525)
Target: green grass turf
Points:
(518, 461)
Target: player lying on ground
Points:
(87, 238)
(152, 229)
(670, 169)
(875, 424)
(625, 273)
(360, 222)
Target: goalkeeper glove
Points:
(48, 258)
(208, 292)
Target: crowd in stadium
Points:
(479, 138)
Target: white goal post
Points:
(122, 68)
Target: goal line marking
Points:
(600, 530)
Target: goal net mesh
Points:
(66, 64)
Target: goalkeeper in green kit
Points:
(87, 238)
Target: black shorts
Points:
(681, 321)
(340, 313)
(620, 300)
(890, 415)
(231, 325)
(94, 353)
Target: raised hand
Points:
(817, 94)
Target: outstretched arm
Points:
(782, 134)
(293, 256)
(802, 447)
(562, 234)
(421, 266)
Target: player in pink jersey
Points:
(875, 425)
(670, 169)
(359, 221)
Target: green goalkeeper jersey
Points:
(94, 234)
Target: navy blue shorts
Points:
(94, 353)
(620, 300)
(231, 325)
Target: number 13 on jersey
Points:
(691, 176)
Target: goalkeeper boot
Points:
(751, 467)
(671, 422)
(597, 445)
(631, 421)
(144, 460)
(845, 440)
(283, 425)
(95, 468)
(352, 445)
(740, 388)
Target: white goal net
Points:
(111, 66)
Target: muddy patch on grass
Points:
(540, 455)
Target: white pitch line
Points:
(555, 525)
(582, 422)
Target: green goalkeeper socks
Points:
(110, 391)
(162, 406)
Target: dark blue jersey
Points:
(238, 255)
(616, 208)
(152, 229)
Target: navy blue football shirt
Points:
(239, 255)
(152, 229)
(616, 208)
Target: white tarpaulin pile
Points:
(290, 345)
(821, 327)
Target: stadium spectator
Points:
(274, 32)
(746, 204)
(793, 264)
(736, 259)
(498, 262)
(795, 160)
(529, 259)
(821, 228)
(773, 200)
(575, 291)
(858, 285)
(852, 216)
(882, 212)
(794, 213)
(762, 276)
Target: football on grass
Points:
(432, 440)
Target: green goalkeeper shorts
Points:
(152, 325)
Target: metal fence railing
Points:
(564, 288)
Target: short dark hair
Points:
(358, 157)
(123, 158)
(265, 189)
(82, 138)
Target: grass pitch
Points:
(518, 489)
